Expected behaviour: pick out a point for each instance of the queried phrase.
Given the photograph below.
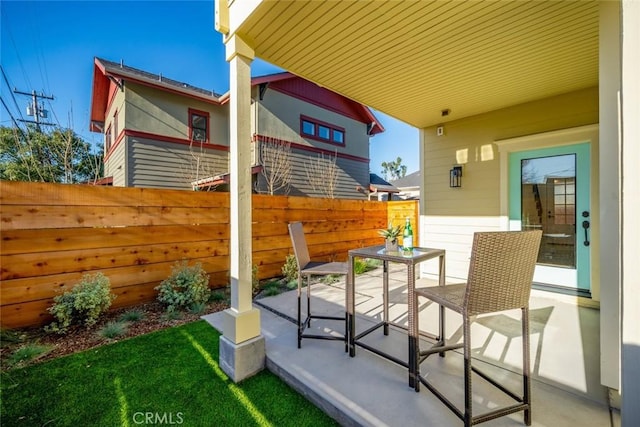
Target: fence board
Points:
(58, 262)
(52, 234)
(33, 194)
(66, 239)
(16, 217)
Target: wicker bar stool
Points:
(500, 276)
(308, 268)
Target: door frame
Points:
(572, 136)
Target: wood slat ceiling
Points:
(412, 59)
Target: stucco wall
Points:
(449, 216)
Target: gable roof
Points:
(411, 180)
(107, 72)
(297, 87)
(378, 185)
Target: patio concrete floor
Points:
(368, 390)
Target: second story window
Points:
(107, 140)
(115, 125)
(321, 131)
(198, 126)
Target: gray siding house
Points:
(161, 133)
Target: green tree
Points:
(58, 155)
(394, 169)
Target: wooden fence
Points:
(52, 234)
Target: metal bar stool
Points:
(308, 268)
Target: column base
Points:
(240, 361)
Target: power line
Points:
(15, 123)
(6, 79)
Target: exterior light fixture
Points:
(455, 177)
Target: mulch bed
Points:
(80, 338)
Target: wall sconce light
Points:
(455, 177)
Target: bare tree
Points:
(275, 158)
(196, 166)
(322, 174)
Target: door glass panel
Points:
(548, 191)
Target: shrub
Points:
(364, 265)
(133, 315)
(113, 330)
(27, 353)
(271, 289)
(9, 337)
(197, 308)
(290, 268)
(330, 279)
(219, 295)
(84, 303)
(172, 315)
(187, 285)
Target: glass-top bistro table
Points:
(410, 259)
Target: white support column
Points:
(242, 351)
(609, 157)
(630, 206)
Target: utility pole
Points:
(35, 109)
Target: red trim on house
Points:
(163, 138)
(139, 134)
(308, 91)
(311, 93)
(270, 78)
(308, 148)
(107, 180)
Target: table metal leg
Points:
(441, 329)
(385, 296)
(413, 335)
(351, 307)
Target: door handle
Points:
(586, 225)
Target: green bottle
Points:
(407, 236)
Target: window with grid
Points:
(564, 198)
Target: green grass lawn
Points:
(167, 377)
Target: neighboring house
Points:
(408, 186)
(494, 87)
(379, 188)
(166, 134)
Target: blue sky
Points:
(49, 46)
